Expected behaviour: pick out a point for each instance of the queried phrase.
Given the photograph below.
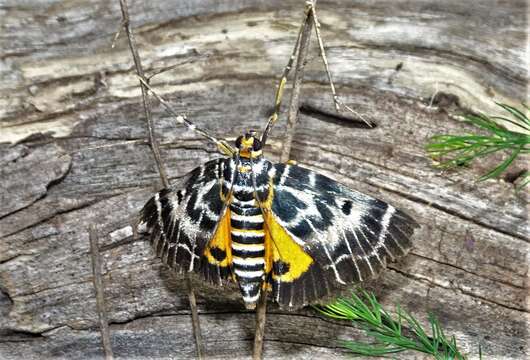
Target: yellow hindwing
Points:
(219, 249)
(280, 248)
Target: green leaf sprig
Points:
(450, 151)
(392, 334)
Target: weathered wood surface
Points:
(85, 161)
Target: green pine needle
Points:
(450, 151)
(391, 334)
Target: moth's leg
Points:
(336, 100)
(222, 145)
(283, 80)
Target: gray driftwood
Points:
(72, 103)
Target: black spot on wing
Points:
(225, 188)
(280, 267)
(218, 254)
(346, 207)
(150, 215)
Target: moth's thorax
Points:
(250, 154)
(245, 174)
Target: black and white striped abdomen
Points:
(248, 250)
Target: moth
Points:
(275, 228)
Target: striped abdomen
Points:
(248, 251)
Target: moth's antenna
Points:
(283, 81)
(222, 145)
(336, 100)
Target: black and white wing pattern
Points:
(348, 235)
(183, 218)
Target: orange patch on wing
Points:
(219, 249)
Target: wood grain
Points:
(73, 104)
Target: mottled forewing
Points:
(183, 218)
(350, 235)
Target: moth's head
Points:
(249, 145)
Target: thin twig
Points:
(261, 317)
(222, 145)
(292, 118)
(117, 35)
(100, 298)
(163, 177)
(174, 66)
(147, 109)
(336, 100)
(261, 310)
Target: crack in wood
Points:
(49, 218)
(334, 118)
(468, 293)
(500, 281)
